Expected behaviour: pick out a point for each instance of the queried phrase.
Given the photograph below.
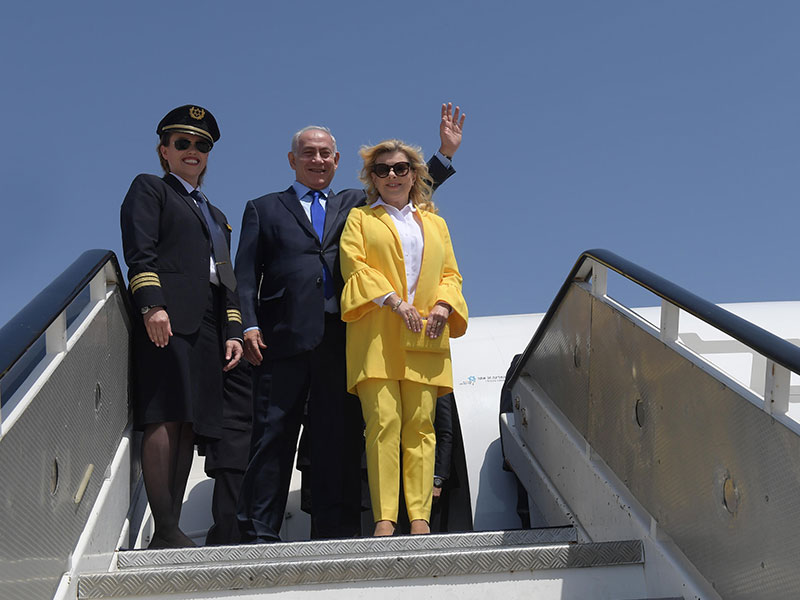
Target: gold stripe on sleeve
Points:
(148, 278)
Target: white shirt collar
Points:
(189, 187)
(301, 190)
(408, 207)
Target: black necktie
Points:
(219, 245)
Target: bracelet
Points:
(396, 306)
(447, 306)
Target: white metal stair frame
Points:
(561, 439)
(623, 430)
(63, 441)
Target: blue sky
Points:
(666, 132)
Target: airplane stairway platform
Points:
(651, 472)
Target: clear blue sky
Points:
(666, 132)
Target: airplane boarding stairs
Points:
(652, 474)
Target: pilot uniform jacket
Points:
(279, 265)
(372, 265)
(167, 247)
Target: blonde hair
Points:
(422, 190)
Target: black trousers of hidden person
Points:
(227, 457)
(335, 435)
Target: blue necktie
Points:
(318, 222)
(219, 246)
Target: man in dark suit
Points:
(287, 268)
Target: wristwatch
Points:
(438, 482)
(145, 309)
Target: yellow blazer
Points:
(371, 257)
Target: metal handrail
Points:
(28, 325)
(765, 343)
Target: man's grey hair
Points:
(296, 137)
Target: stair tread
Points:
(341, 547)
(405, 564)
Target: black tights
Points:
(167, 452)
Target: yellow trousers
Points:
(399, 417)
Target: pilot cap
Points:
(191, 119)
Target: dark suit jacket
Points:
(279, 265)
(167, 248)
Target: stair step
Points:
(388, 559)
(342, 547)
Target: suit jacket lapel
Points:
(332, 207)
(292, 204)
(428, 233)
(386, 219)
(181, 191)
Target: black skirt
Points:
(183, 381)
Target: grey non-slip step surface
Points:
(380, 563)
(343, 547)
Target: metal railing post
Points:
(56, 335)
(776, 388)
(599, 279)
(97, 287)
(670, 316)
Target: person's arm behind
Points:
(451, 128)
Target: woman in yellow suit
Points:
(401, 298)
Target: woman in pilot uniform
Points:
(177, 248)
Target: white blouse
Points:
(409, 228)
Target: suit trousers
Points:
(399, 417)
(335, 433)
(227, 483)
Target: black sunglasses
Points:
(382, 169)
(202, 146)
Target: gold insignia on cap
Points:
(197, 113)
